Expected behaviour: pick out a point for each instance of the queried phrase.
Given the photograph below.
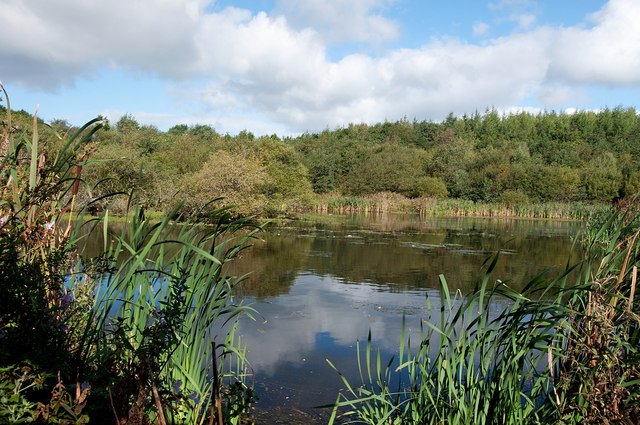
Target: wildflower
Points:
(194, 397)
(49, 225)
(64, 328)
(84, 386)
(65, 300)
(177, 387)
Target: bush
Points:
(431, 187)
(514, 198)
(237, 178)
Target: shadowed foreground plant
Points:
(163, 295)
(132, 322)
(38, 185)
(598, 375)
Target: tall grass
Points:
(561, 352)
(387, 202)
(164, 293)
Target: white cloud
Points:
(480, 28)
(607, 54)
(341, 20)
(525, 21)
(272, 71)
(557, 96)
(48, 44)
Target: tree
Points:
(238, 178)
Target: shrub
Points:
(514, 198)
(236, 177)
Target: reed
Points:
(561, 351)
(164, 295)
(387, 202)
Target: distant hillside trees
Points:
(513, 159)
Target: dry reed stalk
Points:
(633, 287)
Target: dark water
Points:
(320, 285)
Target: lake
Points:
(322, 283)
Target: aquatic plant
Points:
(388, 202)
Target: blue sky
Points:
(288, 66)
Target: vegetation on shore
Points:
(545, 165)
(391, 202)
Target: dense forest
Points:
(510, 159)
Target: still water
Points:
(321, 284)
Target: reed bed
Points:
(387, 202)
(561, 352)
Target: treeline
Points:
(513, 159)
(510, 159)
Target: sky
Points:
(286, 67)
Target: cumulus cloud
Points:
(558, 96)
(341, 20)
(607, 53)
(48, 44)
(525, 21)
(272, 70)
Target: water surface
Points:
(322, 284)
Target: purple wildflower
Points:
(84, 386)
(177, 387)
(194, 397)
(65, 300)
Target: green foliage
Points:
(393, 168)
(602, 183)
(35, 249)
(431, 187)
(552, 183)
(287, 185)
(167, 287)
(15, 381)
(549, 157)
(514, 198)
(237, 178)
(598, 376)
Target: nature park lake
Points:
(320, 284)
